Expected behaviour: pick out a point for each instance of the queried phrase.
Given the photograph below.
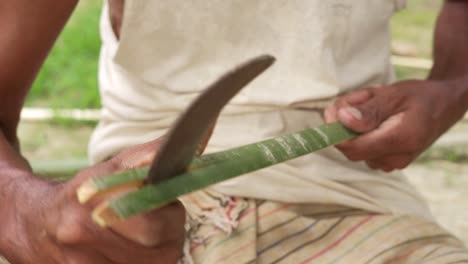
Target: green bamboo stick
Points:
(211, 169)
(58, 170)
(136, 177)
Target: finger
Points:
(148, 229)
(131, 158)
(358, 97)
(393, 162)
(155, 227)
(330, 114)
(370, 114)
(354, 98)
(387, 140)
(126, 251)
(74, 226)
(373, 165)
(352, 118)
(79, 232)
(83, 255)
(123, 250)
(137, 156)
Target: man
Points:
(321, 208)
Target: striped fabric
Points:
(269, 232)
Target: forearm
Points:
(461, 93)
(450, 50)
(18, 186)
(14, 172)
(29, 29)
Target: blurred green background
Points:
(68, 78)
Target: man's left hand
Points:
(398, 122)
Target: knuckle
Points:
(78, 259)
(71, 234)
(350, 152)
(171, 252)
(330, 114)
(81, 176)
(137, 156)
(72, 260)
(171, 227)
(347, 146)
(353, 156)
(115, 164)
(343, 146)
(73, 230)
(388, 169)
(372, 165)
(400, 167)
(370, 118)
(413, 143)
(341, 103)
(174, 254)
(403, 163)
(418, 103)
(393, 141)
(375, 118)
(155, 228)
(396, 162)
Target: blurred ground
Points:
(444, 186)
(68, 80)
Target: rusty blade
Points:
(191, 127)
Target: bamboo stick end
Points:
(104, 215)
(86, 191)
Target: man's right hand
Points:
(46, 224)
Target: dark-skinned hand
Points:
(49, 225)
(398, 122)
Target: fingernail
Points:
(351, 112)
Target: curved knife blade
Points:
(191, 127)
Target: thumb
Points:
(366, 116)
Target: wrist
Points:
(11, 184)
(10, 157)
(460, 93)
(21, 195)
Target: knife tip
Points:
(267, 58)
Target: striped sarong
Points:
(227, 230)
(234, 230)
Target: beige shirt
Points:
(170, 50)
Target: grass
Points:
(413, 27)
(68, 78)
(456, 154)
(415, 24)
